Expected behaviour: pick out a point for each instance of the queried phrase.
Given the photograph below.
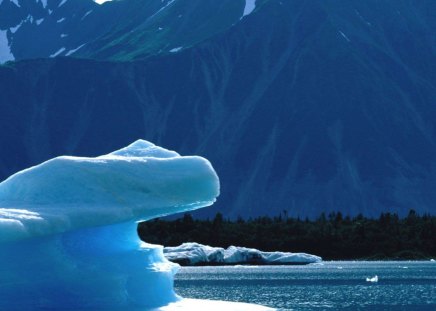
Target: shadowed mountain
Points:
(116, 30)
(304, 106)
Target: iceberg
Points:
(68, 237)
(373, 279)
(191, 254)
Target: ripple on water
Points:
(332, 285)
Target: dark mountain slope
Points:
(117, 30)
(305, 106)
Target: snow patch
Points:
(74, 50)
(14, 29)
(175, 50)
(250, 5)
(58, 52)
(374, 279)
(162, 8)
(16, 3)
(44, 3)
(5, 50)
(86, 14)
(345, 36)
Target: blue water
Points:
(327, 286)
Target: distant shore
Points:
(332, 237)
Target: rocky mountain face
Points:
(302, 106)
(115, 30)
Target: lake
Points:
(335, 285)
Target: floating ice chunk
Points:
(60, 20)
(374, 279)
(432, 260)
(235, 254)
(68, 235)
(195, 254)
(39, 21)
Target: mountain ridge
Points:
(305, 106)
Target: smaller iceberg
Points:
(374, 279)
(194, 254)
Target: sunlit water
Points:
(330, 285)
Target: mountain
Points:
(118, 30)
(301, 106)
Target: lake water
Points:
(337, 285)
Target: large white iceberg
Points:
(198, 254)
(68, 237)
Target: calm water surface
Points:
(327, 286)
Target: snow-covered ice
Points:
(68, 235)
(195, 253)
(139, 182)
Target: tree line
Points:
(332, 236)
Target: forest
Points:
(332, 236)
